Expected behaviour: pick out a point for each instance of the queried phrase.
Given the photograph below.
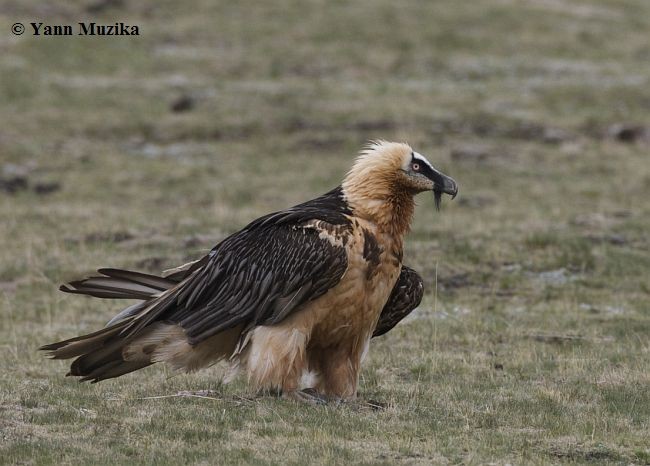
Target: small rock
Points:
(629, 133)
(556, 277)
(589, 308)
(511, 267)
(184, 103)
(13, 184)
(46, 188)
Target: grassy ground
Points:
(531, 345)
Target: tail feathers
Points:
(130, 311)
(97, 358)
(105, 363)
(107, 354)
(144, 279)
(132, 339)
(120, 284)
(106, 287)
(77, 346)
(99, 354)
(114, 369)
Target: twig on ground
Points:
(203, 394)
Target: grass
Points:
(531, 345)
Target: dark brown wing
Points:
(257, 276)
(254, 277)
(406, 296)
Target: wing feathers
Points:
(406, 296)
(257, 276)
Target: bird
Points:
(295, 292)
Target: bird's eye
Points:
(416, 166)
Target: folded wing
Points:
(257, 276)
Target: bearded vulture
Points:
(298, 291)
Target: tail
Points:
(122, 284)
(138, 336)
(100, 355)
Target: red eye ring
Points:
(416, 166)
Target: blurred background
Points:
(144, 151)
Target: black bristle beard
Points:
(437, 198)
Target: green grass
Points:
(531, 345)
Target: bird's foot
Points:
(308, 395)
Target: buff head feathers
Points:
(386, 169)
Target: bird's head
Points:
(388, 168)
(417, 174)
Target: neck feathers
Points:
(373, 192)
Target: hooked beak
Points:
(443, 184)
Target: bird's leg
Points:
(339, 374)
(290, 385)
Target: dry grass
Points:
(535, 347)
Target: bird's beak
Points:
(443, 184)
(447, 185)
